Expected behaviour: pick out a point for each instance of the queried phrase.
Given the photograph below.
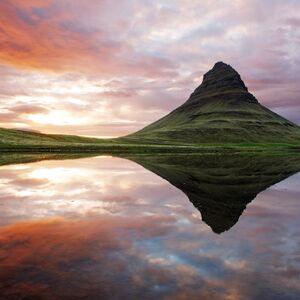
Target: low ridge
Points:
(220, 110)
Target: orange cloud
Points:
(30, 3)
(29, 109)
(29, 41)
(51, 37)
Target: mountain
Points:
(221, 186)
(220, 110)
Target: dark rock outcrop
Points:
(222, 78)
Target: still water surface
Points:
(108, 228)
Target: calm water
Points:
(108, 228)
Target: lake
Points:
(144, 227)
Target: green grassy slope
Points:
(218, 121)
(31, 142)
(12, 136)
(18, 139)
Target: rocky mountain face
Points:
(221, 79)
(220, 110)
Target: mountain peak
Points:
(220, 64)
(221, 79)
(223, 76)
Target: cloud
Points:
(131, 62)
(48, 38)
(28, 109)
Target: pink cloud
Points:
(151, 56)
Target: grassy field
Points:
(23, 141)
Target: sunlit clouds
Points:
(108, 68)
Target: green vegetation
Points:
(220, 120)
(23, 141)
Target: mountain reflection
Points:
(220, 186)
(107, 228)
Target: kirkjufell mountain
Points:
(220, 110)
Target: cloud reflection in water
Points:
(105, 228)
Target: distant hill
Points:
(21, 138)
(220, 110)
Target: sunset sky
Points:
(109, 67)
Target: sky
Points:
(107, 68)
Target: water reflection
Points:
(220, 186)
(107, 228)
